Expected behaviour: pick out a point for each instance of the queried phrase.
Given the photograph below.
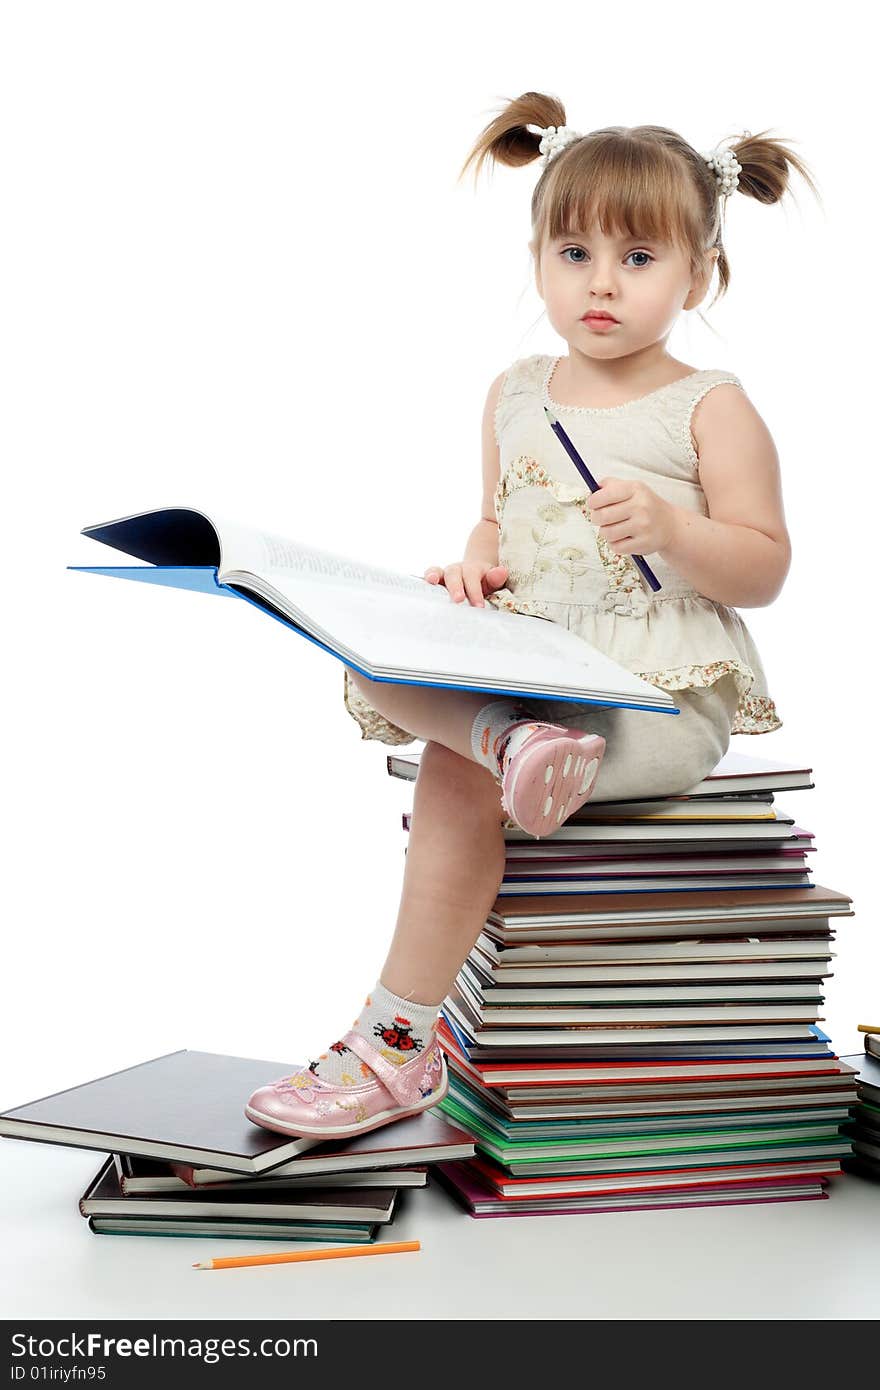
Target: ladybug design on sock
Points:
(337, 1047)
(398, 1034)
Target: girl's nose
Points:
(602, 280)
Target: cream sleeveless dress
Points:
(561, 569)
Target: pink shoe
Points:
(306, 1105)
(550, 777)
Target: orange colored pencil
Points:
(283, 1257)
(869, 1027)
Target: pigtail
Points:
(508, 140)
(765, 175)
(766, 167)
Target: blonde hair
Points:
(635, 181)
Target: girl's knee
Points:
(459, 777)
(438, 761)
(709, 713)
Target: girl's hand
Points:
(631, 517)
(473, 578)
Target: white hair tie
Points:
(554, 139)
(726, 168)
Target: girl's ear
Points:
(700, 280)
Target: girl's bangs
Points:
(627, 189)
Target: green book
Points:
(630, 1146)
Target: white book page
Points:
(415, 629)
(266, 554)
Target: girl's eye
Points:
(641, 265)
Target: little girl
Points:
(626, 232)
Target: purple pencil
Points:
(638, 560)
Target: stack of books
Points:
(636, 1026)
(181, 1159)
(864, 1130)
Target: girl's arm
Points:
(739, 554)
(482, 542)
(479, 572)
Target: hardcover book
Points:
(188, 1107)
(386, 625)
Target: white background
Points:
(239, 273)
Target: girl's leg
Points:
(547, 771)
(454, 866)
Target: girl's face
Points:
(643, 284)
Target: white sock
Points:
(490, 745)
(396, 1027)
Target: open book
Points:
(389, 626)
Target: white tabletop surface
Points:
(791, 1260)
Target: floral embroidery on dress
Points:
(509, 602)
(571, 562)
(552, 516)
(627, 603)
(621, 568)
(521, 472)
(626, 594)
(756, 714)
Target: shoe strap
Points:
(387, 1073)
